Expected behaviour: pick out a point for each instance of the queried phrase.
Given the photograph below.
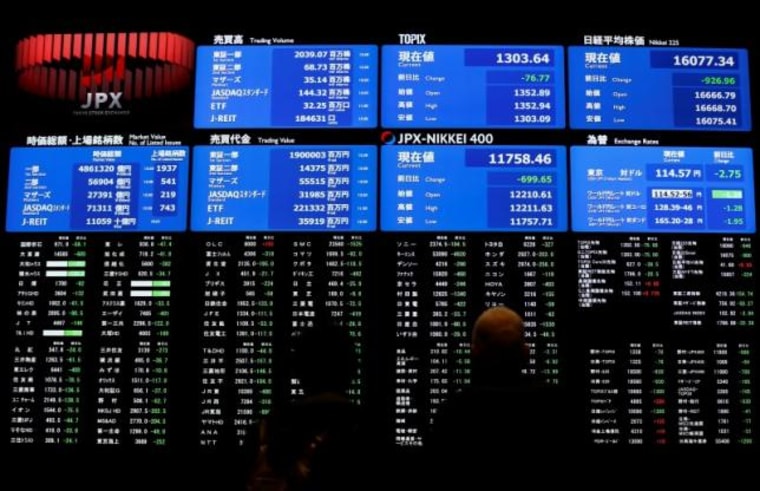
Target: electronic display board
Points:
(284, 188)
(473, 87)
(181, 206)
(659, 88)
(507, 188)
(286, 87)
(663, 189)
(98, 189)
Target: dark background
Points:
(183, 465)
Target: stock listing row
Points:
(345, 188)
(468, 86)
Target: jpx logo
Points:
(410, 138)
(97, 100)
(104, 72)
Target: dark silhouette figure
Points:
(312, 443)
(506, 425)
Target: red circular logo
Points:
(135, 65)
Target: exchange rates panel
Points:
(663, 189)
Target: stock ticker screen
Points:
(180, 207)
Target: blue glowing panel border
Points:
(662, 189)
(434, 86)
(473, 188)
(286, 86)
(659, 88)
(284, 188)
(98, 189)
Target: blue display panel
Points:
(659, 88)
(284, 188)
(657, 189)
(97, 189)
(463, 188)
(286, 87)
(473, 87)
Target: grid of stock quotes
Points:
(395, 191)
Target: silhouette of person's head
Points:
(325, 360)
(498, 343)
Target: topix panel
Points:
(473, 87)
